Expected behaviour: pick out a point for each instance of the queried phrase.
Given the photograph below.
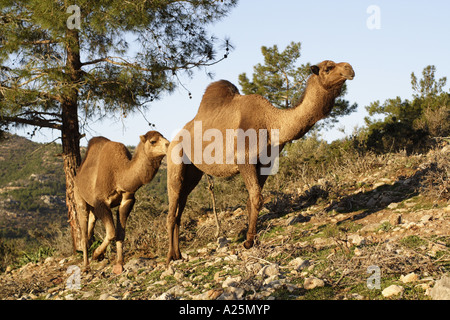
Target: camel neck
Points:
(140, 170)
(314, 105)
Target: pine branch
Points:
(34, 121)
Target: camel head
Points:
(155, 145)
(331, 74)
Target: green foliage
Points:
(43, 62)
(36, 256)
(410, 125)
(282, 81)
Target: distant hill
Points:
(32, 186)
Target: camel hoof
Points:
(248, 244)
(117, 269)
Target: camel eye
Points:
(327, 70)
(153, 142)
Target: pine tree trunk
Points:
(70, 132)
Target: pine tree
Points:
(60, 60)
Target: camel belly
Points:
(218, 170)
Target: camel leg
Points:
(91, 226)
(181, 180)
(103, 212)
(255, 201)
(125, 208)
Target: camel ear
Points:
(315, 70)
(142, 139)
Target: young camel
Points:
(109, 177)
(222, 108)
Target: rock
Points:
(49, 260)
(411, 277)
(356, 240)
(137, 264)
(393, 205)
(231, 257)
(254, 267)
(178, 275)
(395, 219)
(105, 296)
(313, 282)
(86, 295)
(441, 290)
(237, 293)
(426, 218)
(392, 290)
(222, 242)
(212, 294)
(231, 282)
(299, 264)
(168, 272)
(269, 270)
(166, 296)
(370, 227)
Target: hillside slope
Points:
(327, 238)
(32, 186)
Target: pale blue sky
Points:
(412, 35)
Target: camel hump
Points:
(94, 146)
(218, 94)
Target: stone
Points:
(49, 260)
(395, 219)
(411, 277)
(107, 296)
(168, 272)
(166, 296)
(299, 264)
(426, 218)
(231, 282)
(254, 267)
(269, 270)
(222, 242)
(356, 239)
(392, 290)
(313, 282)
(393, 205)
(137, 264)
(441, 289)
(238, 293)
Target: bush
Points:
(410, 125)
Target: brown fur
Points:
(222, 108)
(108, 177)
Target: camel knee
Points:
(255, 201)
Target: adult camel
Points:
(224, 113)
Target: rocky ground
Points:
(383, 239)
(293, 260)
